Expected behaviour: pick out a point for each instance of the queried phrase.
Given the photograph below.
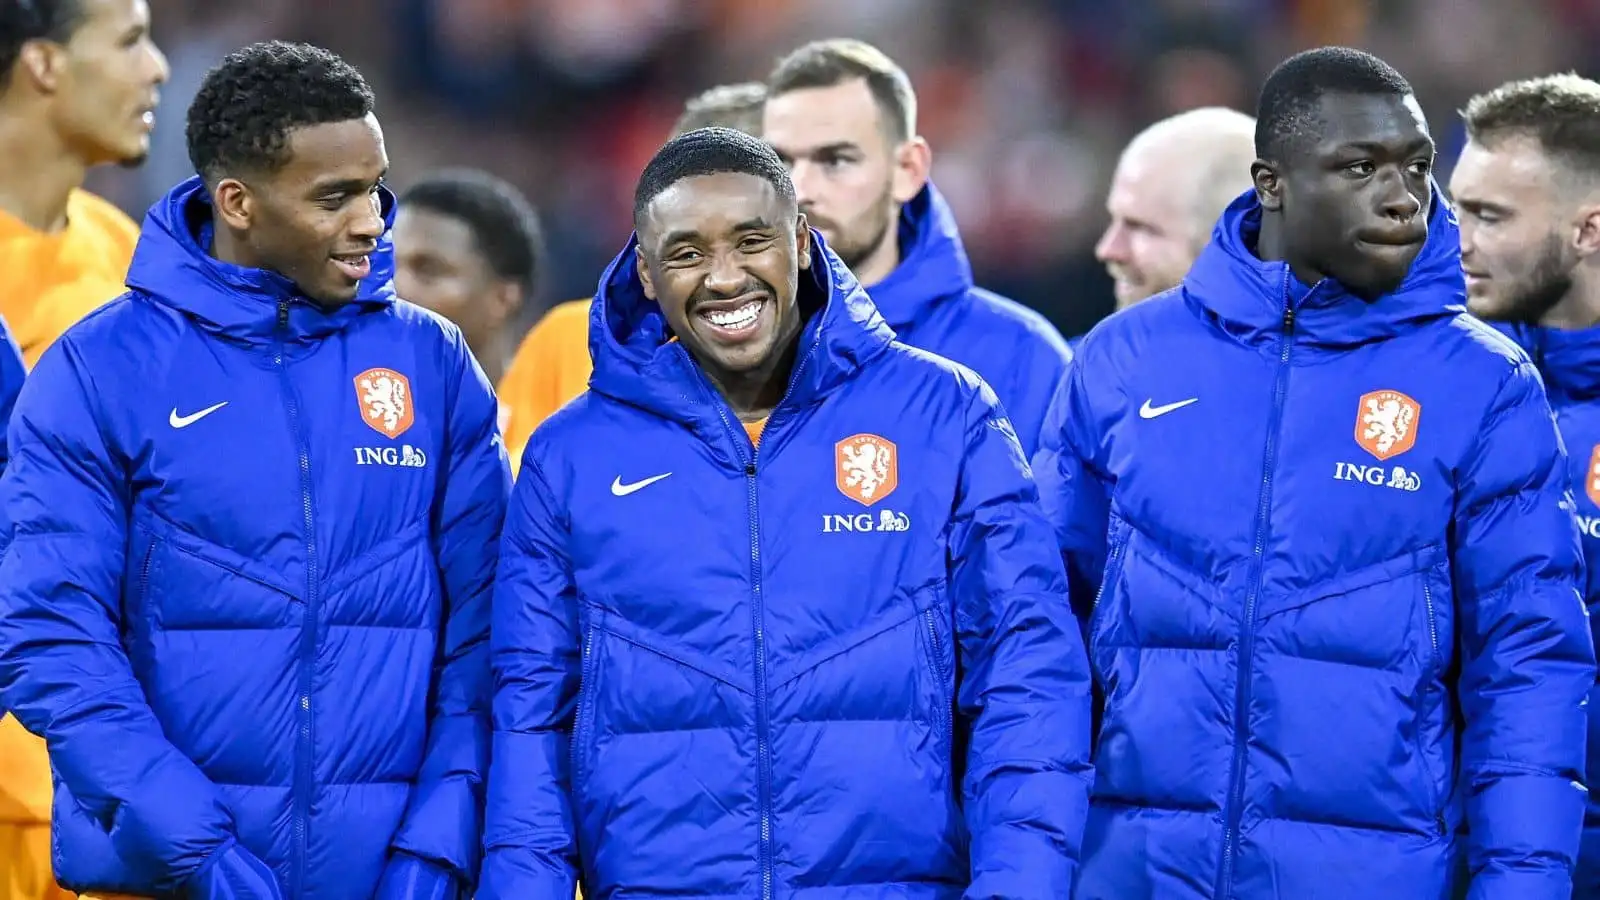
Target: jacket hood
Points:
(933, 262)
(637, 362)
(173, 265)
(1249, 294)
(1568, 360)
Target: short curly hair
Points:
(1286, 113)
(504, 225)
(247, 106)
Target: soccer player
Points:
(1173, 181)
(1322, 518)
(246, 599)
(1527, 189)
(466, 245)
(552, 365)
(777, 613)
(79, 85)
(844, 117)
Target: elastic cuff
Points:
(408, 877)
(234, 873)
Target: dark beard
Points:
(1547, 284)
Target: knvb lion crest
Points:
(384, 396)
(1591, 480)
(866, 468)
(1386, 423)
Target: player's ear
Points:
(802, 240)
(1587, 239)
(1268, 186)
(644, 273)
(233, 203)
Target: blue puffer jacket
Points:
(1570, 364)
(248, 596)
(12, 373)
(1338, 624)
(839, 666)
(932, 304)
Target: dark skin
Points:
(315, 218)
(438, 265)
(714, 245)
(1350, 201)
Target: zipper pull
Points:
(283, 314)
(1288, 319)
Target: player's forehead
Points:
(802, 121)
(711, 207)
(1391, 124)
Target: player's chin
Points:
(332, 294)
(744, 357)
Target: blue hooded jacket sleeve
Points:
(529, 832)
(1073, 488)
(63, 671)
(12, 372)
(443, 823)
(1528, 661)
(1025, 687)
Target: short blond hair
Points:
(737, 106)
(1560, 112)
(826, 63)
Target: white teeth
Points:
(742, 317)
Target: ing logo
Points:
(384, 396)
(866, 468)
(1386, 423)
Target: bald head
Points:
(1174, 179)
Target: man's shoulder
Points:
(420, 322)
(1004, 316)
(100, 220)
(903, 372)
(551, 339)
(1470, 341)
(1129, 331)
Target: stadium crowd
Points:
(792, 562)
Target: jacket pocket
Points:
(944, 701)
(1115, 556)
(583, 716)
(206, 588)
(1435, 640)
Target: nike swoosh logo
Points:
(177, 421)
(1150, 412)
(619, 489)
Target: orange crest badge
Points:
(384, 396)
(1386, 423)
(1591, 479)
(866, 468)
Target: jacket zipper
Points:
(942, 711)
(757, 611)
(1439, 823)
(144, 579)
(305, 765)
(1112, 568)
(1241, 713)
(580, 721)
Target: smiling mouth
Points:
(739, 318)
(356, 266)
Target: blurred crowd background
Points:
(1027, 103)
